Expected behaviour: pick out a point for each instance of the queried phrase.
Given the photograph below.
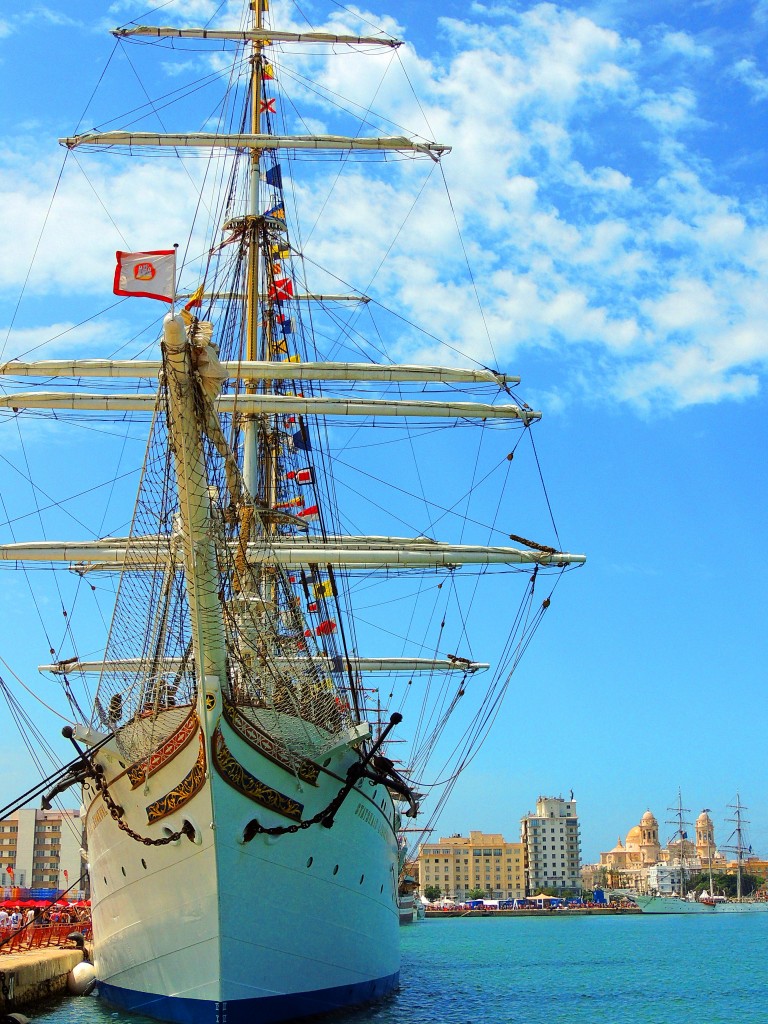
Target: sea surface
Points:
(688, 969)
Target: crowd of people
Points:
(41, 915)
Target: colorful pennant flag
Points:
(291, 503)
(301, 476)
(312, 606)
(323, 589)
(268, 73)
(274, 176)
(301, 441)
(151, 275)
(280, 289)
(276, 212)
(267, 105)
(286, 323)
(195, 300)
(280, 250)
(9, 870)
(309, 514)
(326, 628)
(292, 359)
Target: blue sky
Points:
(608, 177)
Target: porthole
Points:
(326, 762)
(192, 834)
(309, 862)
(123, 870)
(105, 881)
(336, 870)
(143, 863)
(381, 889)
(362, 879)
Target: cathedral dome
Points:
(634, 837)
(703, 819)
(648, 820)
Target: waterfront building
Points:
(626, 865)
(662, 879)
(41, 849)
(460, 864)
(551, 842)
(641, 863)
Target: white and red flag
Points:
(151, 275)
(301, 476)
(310, 514)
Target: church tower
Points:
(649, 838)
(705, 838)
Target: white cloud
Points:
(624, 256)
(671, 111)
(684, 44)
(57, 339)
(746, 71)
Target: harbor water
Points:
(690, 969)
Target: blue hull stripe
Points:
(266, 1010)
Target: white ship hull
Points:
(730, 907)
(669, 905)
(216, 929)
(676, 905)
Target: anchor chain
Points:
(326, 817)
(96, 772)
(117, 812)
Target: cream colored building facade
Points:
(552, 846)
(42, 848)
(460, 864)
(628, 864)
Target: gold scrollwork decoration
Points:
(142, 770)
(255, 737)
(233, 773)
(191, 784)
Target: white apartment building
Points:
(552, 846)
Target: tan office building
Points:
(42, 849)
(458, 865)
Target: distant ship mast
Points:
(680, 836)
(738, 846)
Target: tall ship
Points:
(708, 901)
(248, 759)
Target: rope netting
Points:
(280, 672)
